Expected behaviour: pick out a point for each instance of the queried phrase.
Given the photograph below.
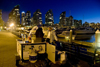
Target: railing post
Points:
(70, 41)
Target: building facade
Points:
(14, 16)
(86, 24)
(0, 14)
(37, 18)
(23, 18)
(28, 18)
(62, 18)
(49, 18)
(67, 21)
(71, 22)
(77, 23)
(1, 21)
(93, 25)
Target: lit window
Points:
(50, 22)
(60, 17)
(50, 17)
(23, 23)
(40, 13)
(18, 14)
(49, 14)
(16, 9)
(40, 18)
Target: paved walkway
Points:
(7, 49)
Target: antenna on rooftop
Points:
(83, 18)
(69, 12)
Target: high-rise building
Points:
(37, 17)
(0, 14)
(14, 16)
(28, 18)
(77, 23)
(62, 18)
(23, 18)
(67, 21)
(32, 21)
(86, 24)
(1, 21)
(80, 23)
(49, 18)
(71, 21)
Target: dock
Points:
(80, 50)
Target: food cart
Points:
(24, 49)
(24, 52)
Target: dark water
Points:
(90, 40)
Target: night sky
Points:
(85, 10)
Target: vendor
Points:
(51, 36)
(39, 35)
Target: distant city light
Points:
(50, 18)
(23, 11)
(22, 28)
(67, 38)
(11, 25)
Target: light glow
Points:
(11, 25)
(22, 28)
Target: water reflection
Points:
(90, 40)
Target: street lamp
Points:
(11, 25)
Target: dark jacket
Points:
(39, 33)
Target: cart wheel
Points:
(17, 62)
(17, 59)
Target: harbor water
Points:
(92, 39)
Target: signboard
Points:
(27, 49)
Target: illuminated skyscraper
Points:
(37, 17)
(0, 14)
(23, 18)
(14, 16)
(1, 21)
(62, 18)
(49, 18)
(28, 18)
(71, 21)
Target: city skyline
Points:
(84, 10)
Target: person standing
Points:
(51, 36)
(39, 34)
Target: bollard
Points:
(97, 38)
(97, 44)
(70, 36)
